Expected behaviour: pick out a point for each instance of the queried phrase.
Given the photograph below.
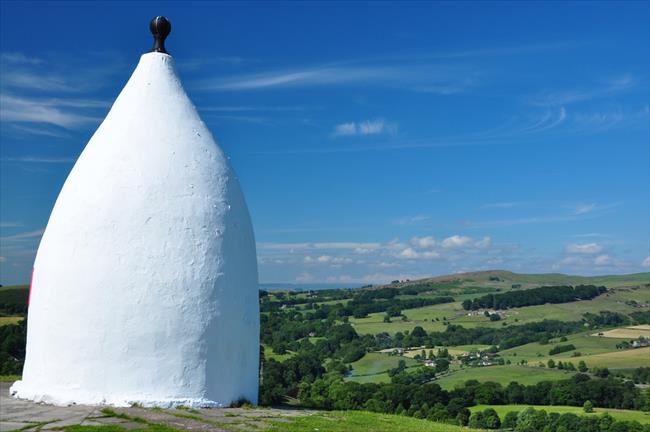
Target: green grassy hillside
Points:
(618, 414)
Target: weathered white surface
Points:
(145, 282)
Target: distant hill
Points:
(305, 287)
(504, 277)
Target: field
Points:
(502, 375)
(5, 320)
(596, 346)
(372, 364)
(585, 343)
(270, 354)
(431, 318)
(627, 359)
(633, 332)
(618, 414)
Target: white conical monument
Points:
(145, 282)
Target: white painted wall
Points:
(145, 282)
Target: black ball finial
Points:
(160, 28)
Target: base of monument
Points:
(66, 397)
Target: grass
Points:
(9, 378)
(584, 342)
(345, 421)
(270, 354)
(118, 428)
(627, 359)
(614, 301)
(633, 332)
(375, 379)
(502, 375)
(618, 414)
(10, 320)
(376, 363)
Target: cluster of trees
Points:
(431, 402)
(360, 307)
(557, 349)
(532, 420)
(534, 296)
(504, 338)
(12, 347)
(575, 391)
(641, 317)
(641, 375)
(605, 318)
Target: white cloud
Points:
(19, 58)
(409, 253)
(305, 277)
(37, 159)
(412, 220)
(646, 262)
(24, 235)
(603, 89)
(345, 129)
(423, 242)
(586, 248)
(10, 224)
(456, 241)
(602, 260)
(484, 243)
(584, 208)
(25, 110)
(364, 128)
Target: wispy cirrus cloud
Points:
(412, 220)
(603, 89)
(39, 159)
(18, 58)
(24, 235)
(14, 109)
(40, 98)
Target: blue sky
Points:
(373, 141)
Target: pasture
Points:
(376, 363)
(633, 332)
(6, 320)
(502, 375)
(618, 414)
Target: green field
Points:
(5, 320)
(345, 421)
(585, 343)
(270, 354)
(618, 414)
(627, 359)
(455, 314)
(502, 375)
(372, 367)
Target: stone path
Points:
(18, 414)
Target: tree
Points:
(491, 418)
(588, 407)
(551, 363)
(463, 417)
(582, 366)
(510, 420)
(477, 421)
